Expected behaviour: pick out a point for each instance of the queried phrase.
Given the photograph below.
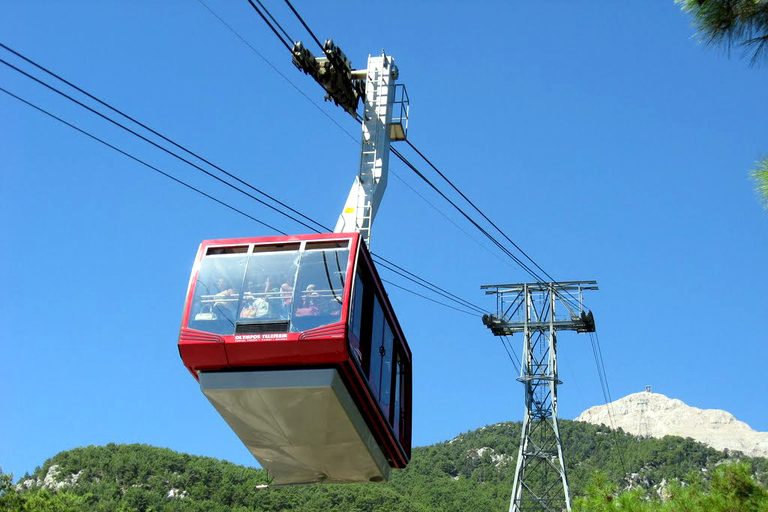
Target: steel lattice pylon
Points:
(538, 311)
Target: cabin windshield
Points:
(272, 288)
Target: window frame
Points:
(247, 248)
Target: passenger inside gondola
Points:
(254, 303)
(309, 302)
(225, 289)
(256, 308)
(225, 300)
(286, 300)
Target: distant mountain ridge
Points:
(471, 473)
(656, 415)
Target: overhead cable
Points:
(600, 365)
(429, 299)
(136, 159)
(454, 187)
(508, 347)
(470, 219)
(497, 228)
(275, 21)
(151, 130)
(572, 302)
(344, 130)
(287, 45)
(440, 291)
(430, 287)
(276, 70)
(133, 132)
(305, 25)
(181, 182)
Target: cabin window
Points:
(380, 365)
(319, 286)
(217, 291)
(277, 288)
(333, 244)
(386, 370)
(398, 402)
(357, 318)
(269, 283)
(374, 375)
(238, 249)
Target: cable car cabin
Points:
(295, 343)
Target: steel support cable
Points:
(357, 118)
(600, 373)
(181, 182)
(519, 262)
(429, 299)
(133, 132)
(170, 152)
(429, 162)
(120, 112)
(597, 352)
(505, 341)
(427, 284)
(151, 130)
(602, 364)
(600, 369)
(360, 121)
(470, 219)
(298, 16)
(177, 156)
(275, 21)
(538, 278)
(290, 49)
(288, 46)
(322, 48)
(274, 68)
(446, 217)
(432, 287)
(509, 355)
(136, 159)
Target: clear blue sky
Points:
(601, 136)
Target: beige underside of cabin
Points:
(301, 425)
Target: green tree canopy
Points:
(743, 23)
(735, 22)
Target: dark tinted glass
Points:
(357, 317)
(386, 370)
(374, 375)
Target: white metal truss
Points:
(371, 181)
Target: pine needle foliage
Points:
(732, 488)
(760, 175)
(743, 23)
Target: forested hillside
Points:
(472, 472)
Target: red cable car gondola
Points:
(295, 343)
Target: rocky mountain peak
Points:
(655, 415)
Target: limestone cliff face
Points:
(655, 415)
